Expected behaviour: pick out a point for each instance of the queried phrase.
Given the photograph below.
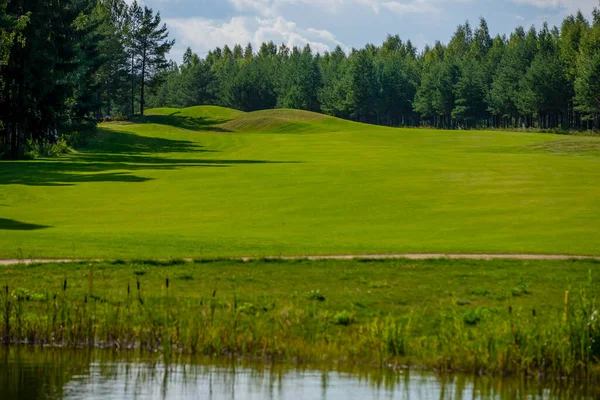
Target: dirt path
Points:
(349, 257)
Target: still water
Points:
(30, 373)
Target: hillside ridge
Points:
(262, 121)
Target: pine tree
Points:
(545, 79)
(470, 95)
(587, 83)
(299, 80)
(332, 94)
(113, 75)
(543, 89)
(150, 46)
(361, 94)
(47, 76)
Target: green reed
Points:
(565, 344)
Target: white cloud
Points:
(258, 21)
(206, 33)
(203, 35)
(261, 7)
(374, 4)
(570, 6)
(325, 35)
(329, 5)
(407, 6)
(271, 7)
(290, 22)
(417, 6)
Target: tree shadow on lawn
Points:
(190, 123)
(13, 225)
(108, 141)
(114, 163)
(68, 172)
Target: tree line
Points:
(66, 64)
(546, 79)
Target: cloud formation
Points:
(204, 34)
(324, 24)
(570, 6)
(272, 7)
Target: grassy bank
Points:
(494, 317)
(211, 182)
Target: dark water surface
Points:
(34, 373)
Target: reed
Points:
(552, 343)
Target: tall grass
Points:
(565, 345)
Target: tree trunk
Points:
(14, 146)
(143, 83)
(20, 136)
(7, 140)
(132, 83)
(108, 100)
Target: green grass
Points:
(367, 288)
(495, 317)
(211, 182)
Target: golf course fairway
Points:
(213, 182)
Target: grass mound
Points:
(219, 119)
(208, 112)
(277, 121)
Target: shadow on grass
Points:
(70, 171)
(111, 157)
(108, 141)
(12, 225)
(183, 122)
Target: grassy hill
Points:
(209, 181)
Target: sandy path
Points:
(350, 257)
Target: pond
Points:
(35, 373)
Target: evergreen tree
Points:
(332, 94)
(471, 105)
(587, 83)
(543, 88)
(397, 89)
(361, 92)
(426, 93)
(504, 92)
(47, 76)
(149, 45)
(299, 80)
(65, 65)
(113, 75)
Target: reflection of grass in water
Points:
(37, 372)
(415, 318)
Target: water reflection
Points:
(33, 373)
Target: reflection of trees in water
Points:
(35, 373)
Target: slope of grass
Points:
(209, 181)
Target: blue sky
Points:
(206, 24)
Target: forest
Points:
(542, 79)
(65, 67)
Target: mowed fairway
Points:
(212, 182)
